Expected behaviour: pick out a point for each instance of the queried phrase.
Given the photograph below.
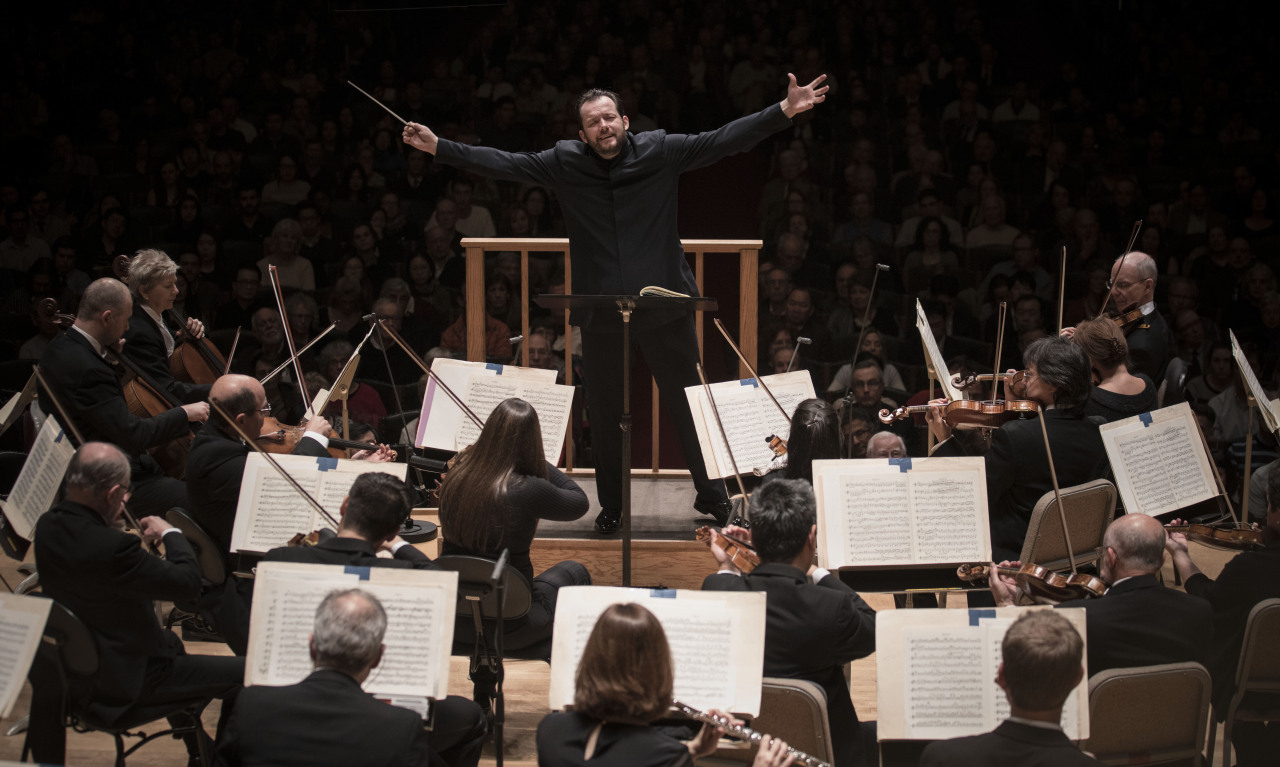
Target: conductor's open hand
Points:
(800, 98)
(420, 137)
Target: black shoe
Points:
(609, 521)
(720, 509)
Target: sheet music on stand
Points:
(933, 355)
(37, 485)
(749, 418)
(420, 607)
(22, 620)
(936, 669)
(728, 679)
(1269, 408)
(1159, 461)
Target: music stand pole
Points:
(625, 306)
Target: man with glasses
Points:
(866, 391)
(886, 444)
(1148, 336)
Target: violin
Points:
(741, 554)
(777, 444)
(1041, 584)
(1126, 320)
(280, 439)
(1237, 536)
(970, 414)
(1017, 381)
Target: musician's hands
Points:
(724, 563)
(421, 137)
(704, 743)
(390, 545)
(382, 454)
(1176, 543)
(933, 417)
(773, 753)
(318, 424)
(153, 528)
(741, 533)
(197, 412)
(195, 328)
(802, 99)
(1067, 332)
(1003, 587)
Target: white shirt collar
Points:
(1036, 723)
(97, 347)
(164, 331)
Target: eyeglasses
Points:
(265, 410)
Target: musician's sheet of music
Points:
(749, 417)
(37, 485)
(1159, 460)
(444, 426)
(936, 670)
(1270, 408)
(933, 355)
(716, 639)
(22, 620)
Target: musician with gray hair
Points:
(152, 338)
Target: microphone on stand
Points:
(795, 351)
(515, 351)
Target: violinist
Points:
(1139, 621)
(815, 434)
(1057, 378)
(77, 365)
(1118, 394)
(1134, 289)
(150, 340)
(1246, 580)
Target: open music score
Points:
(270, 512)
(933, 355)
(444, 426)
(749, 418)
(695, 622)
(37, 485)
(1270, 408)
(901, 511)
(936, 671)
(420, 606)
(22, 620)
(1159, 461)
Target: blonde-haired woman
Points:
(151, 337)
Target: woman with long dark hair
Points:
(815, 434)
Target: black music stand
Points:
(625, 305)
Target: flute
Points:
(743, 733)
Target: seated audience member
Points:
(104, 576)
(857, 424)
(1139, 622)
(622, 685)
(1246, 580)
(814, 623)
(363, 402)
(327, 719)
(873, 347)
(1039, 667)
(886, 444)
(815, 434)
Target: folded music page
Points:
(41, 475)
(936, 672)
(694, 621)
(877, 512)
(420, 606)
(443, 425)
(1159, 460)
(934, 356)
(22, 620)
(270, 511)
(749, 417)
(1270, 409)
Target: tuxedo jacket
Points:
(351, 552)
(89, 388)
(562, 740)
(215, 469)
(1009, 744)
(103, 576)
(1018, 470)
(1139, 622)
(326, 719)
(1149, 346)
(811, 631)
(145, 349)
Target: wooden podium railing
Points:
(747, 251)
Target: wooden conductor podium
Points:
(626, 306)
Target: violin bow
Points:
(288, 337)
(1057, 494)
(235, 342)
(463, 406)
(995, 379)
(750, 369)
(723, 435)
(1062, 286)
(866, 322)
(287, 362)
(1133, 238)
(253, 443)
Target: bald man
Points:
(1148, 337)
(1139, 622)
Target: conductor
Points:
(618, 191)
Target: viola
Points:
(1042, 584)
(1237, 536)
(970, 414)
(740, 553)
(280, 439)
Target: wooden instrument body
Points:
(1043, 585)
(741, 554)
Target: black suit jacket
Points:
(1141, 623)
(352, 552)
(215, 469)
(1018, 470)
(103, 576)
(562, 740)
(144, 347)
(1009, 744)
(326, 719)
(811, 631)
(1149, 347)
(89, 387)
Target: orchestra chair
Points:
(61, 675)
(213, 573)
(794, 710)
(1149, 714)
(391, 427)
(1089, 509)
(1257, 696)
(490, 594)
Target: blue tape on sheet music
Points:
(58, 438)
(326, 464)
(662, 593)
(750, 382)
(1145, 418)
(977, 615)
(360, 572)
(903, 464)
(495, 367)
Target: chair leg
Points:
(498, 715)
(119, 749)
(1213, 737)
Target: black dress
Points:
(1116, 407)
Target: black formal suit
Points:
(144, 347)
(89, 387)
(1018, 470)
(1141, 623)
(351, 552)
(1012, 743)
(811, 631)
(1149, 346)
(562, 740)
